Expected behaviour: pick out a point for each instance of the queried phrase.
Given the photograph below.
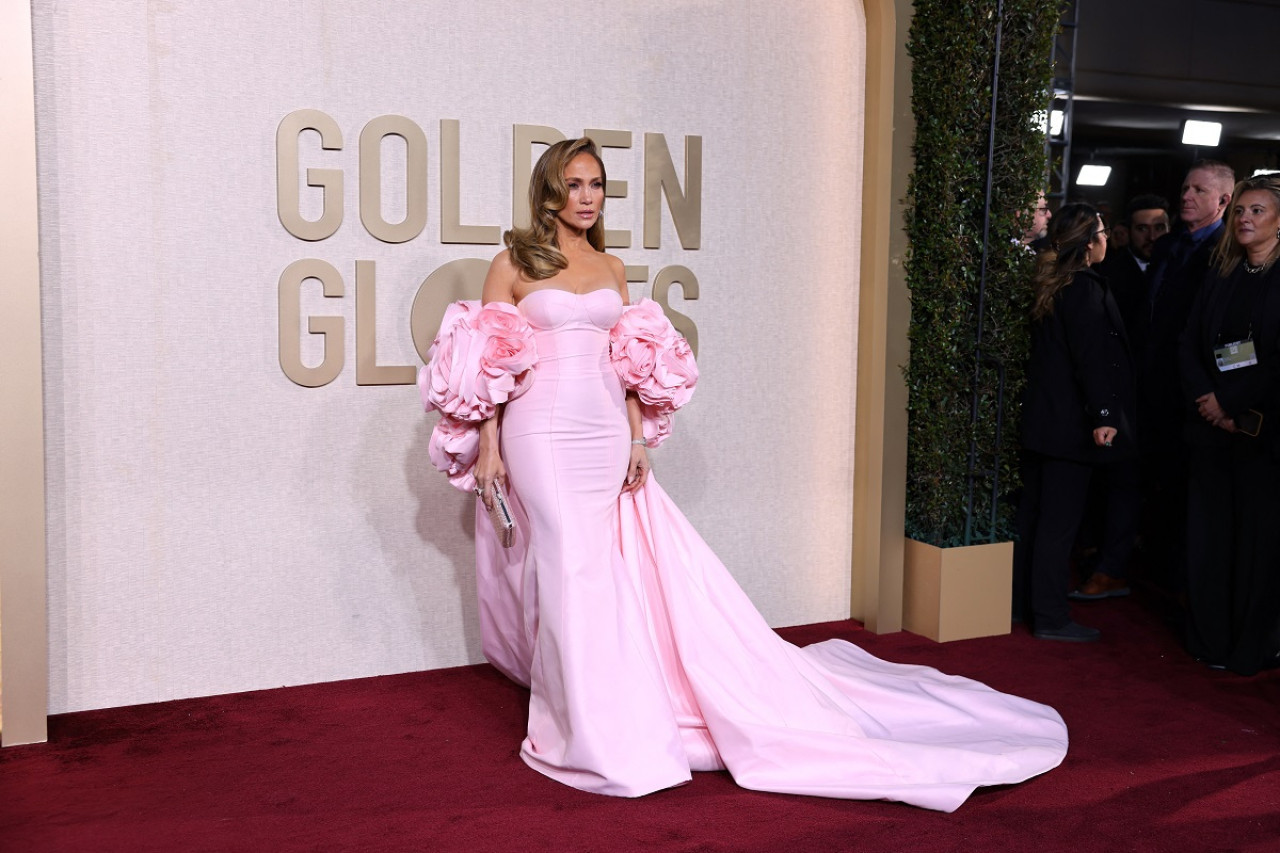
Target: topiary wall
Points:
(952, 46)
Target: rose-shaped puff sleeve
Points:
(482, 357)
(654, 360)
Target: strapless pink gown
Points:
(644, 658)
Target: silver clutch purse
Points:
(500, 516)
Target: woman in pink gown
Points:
(644, 659)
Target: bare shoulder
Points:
(615, 263)
(500, 282)
(503, 263)
(619, 272)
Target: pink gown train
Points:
(646, 661)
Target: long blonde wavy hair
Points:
(1070, 232)
(535, 250)
(1228, 252)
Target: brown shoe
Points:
(1100, 586)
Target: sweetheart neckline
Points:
(570, 292)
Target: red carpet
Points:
(1165, 756)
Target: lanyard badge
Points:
(1235, 356)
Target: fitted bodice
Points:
(568, 325)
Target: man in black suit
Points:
(1179, 263)
(1126, 268)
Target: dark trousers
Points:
(1124, 509)
(1054, 494)
(1053, 500)
(1233, 555)
(1113, 509)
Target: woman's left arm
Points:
(638, 467)
(1087, 327)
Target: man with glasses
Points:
(1036, 236)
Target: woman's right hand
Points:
(1211, 410)
(489, 467)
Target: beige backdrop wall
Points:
(214, 527)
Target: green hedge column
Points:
(952, 45)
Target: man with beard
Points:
(1126, 268)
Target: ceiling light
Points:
(1093, 175)
(1257, 172)
(1206, 133)
(1050, 122)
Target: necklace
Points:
(1251, 269)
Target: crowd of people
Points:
(1152, 407)
(1152, 379)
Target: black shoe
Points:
(1069, 633)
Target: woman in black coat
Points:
(1230, 361)
(1077, 414)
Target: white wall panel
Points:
(214, 527)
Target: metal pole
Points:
(982, 284)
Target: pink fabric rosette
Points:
(508, 352)
(655, 425)
(482, 357)
(654, 360)
(453, 449)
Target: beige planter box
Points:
(957, 593)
